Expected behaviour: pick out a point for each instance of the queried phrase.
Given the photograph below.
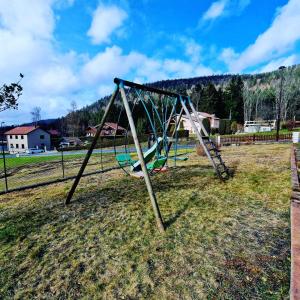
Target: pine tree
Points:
(234, 102)
(209, 99)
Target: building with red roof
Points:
(21, 139)
(108, 130)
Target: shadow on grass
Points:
(177, 215)
(28, 220)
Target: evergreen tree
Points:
(234, 102)
(196, 95)
(220, 111)
(209, 99)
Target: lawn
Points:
(223, 240)
(13, 162)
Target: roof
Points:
(22, 130)
(91, 128)
(114, 126)
(207, 115)
(54, 132)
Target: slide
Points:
(148, 155)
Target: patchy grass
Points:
(24, 171)
(223, 240)
(13, 162)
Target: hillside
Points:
(239, 97)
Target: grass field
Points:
(223, 240)
(13, 162)
(24, 171)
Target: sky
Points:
(70, 50)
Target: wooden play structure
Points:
(165, 106)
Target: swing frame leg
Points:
(94, 142)
(159, 219)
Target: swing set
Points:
(160, 108)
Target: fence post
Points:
(4, 168)
(253, 138)
(62, 163)
(219, 140)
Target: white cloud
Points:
(222, 8)
(276, 63)
(215, 10)
(54, 78)
(278, 39)
(106, 20)
(110, 63)
(30, 49)
(15, 17)
(193, 50)
(228, 55)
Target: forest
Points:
(237, 98)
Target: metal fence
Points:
(22, 171)
(254, 138)
(18, 172)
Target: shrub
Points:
(290, 125)
(224, 127)
(283, 125)
(234, 127)
(206, 124)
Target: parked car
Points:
(34, 150)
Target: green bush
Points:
(225, 126)
(206, 124)
(234, 127)
(283, 125)
(290, 125)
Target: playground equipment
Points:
(164, 105)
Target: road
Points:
(83, 152)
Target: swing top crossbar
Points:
(145, 88)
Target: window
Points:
(17, 146)
(10, 136)
(11, 145)
(22, 137)
(23, 147)
(42, 137)
(16, 137)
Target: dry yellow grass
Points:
(223, 241)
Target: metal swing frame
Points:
(184, 101)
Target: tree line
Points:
(237, 98)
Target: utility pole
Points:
(282, 68)
(4, 162)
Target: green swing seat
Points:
(125, 159)
(157, 164)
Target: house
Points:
(187, 125)
(54, 133)
(213, 120)
(55, 137)
(70, 142)
(91, 131)
(109, 129)
(20, 139)
(3, 140)
(259, 126)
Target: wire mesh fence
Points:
(21, 171)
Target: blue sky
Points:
(72, 49)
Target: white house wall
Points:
(31, 140)
(188, 126)
(13, 140)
